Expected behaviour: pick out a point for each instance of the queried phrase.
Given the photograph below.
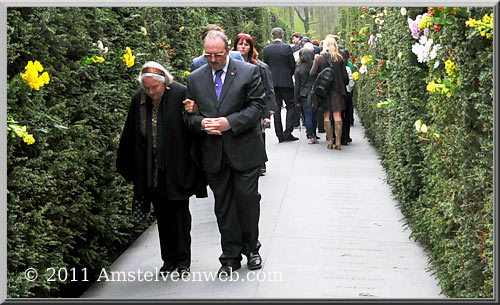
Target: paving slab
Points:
(329, 227)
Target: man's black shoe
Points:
(227, 269)
(183, 271)
(254, 261)
(168, 267)
(292, 138)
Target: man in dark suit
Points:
(225, 100)
(201, 60)
(279, 57)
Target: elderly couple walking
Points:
(176, 140)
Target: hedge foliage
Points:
(67, 206)
(441, 173)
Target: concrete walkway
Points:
(329, 230)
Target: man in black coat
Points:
(279, 57)
(158, 154)
(229, 98)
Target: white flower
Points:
(362, 70)
(379, 35)
(436, 64)
(403, 11)
(424, 49)
(100, 45)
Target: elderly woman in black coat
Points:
(158, 154)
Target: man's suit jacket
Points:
(201, 60)
(241, 102)
(279, 57)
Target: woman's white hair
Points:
(166, 78)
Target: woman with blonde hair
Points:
(335, 101)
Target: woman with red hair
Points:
(245, 44)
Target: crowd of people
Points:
(177, 139)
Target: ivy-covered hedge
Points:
(432, 123)
(67, 207)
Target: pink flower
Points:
(371, 41)
(413, 24)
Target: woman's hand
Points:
(190, 106)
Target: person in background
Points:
(335, 101)
(229, 99)
(155, 153)
(303, 84)
(245, 44)
(347, 113)
(296, 37)
(279, 57)
(201, 60)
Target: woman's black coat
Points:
(178, 155)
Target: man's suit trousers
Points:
(284, 94)
(237, 208)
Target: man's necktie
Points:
(218, 82)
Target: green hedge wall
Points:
(67, 206)
(442, 176)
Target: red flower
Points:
(378, 92)
(353, 59)
(382, 61)
(436, 27)
(379, 67)
(373, 72)
(431, 11)
(380, 85)
(440, 8)
(350, 53)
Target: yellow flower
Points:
(181, 29)
(483, 33)
(98, 59)
(29, 139)
(38, 66)
(450, 67)
(45, 77)
(425, 22)
(423, 128)
(436, 135)
(31, 75)
(144, 31)
(400, 54)
(128, 58)
(431, 87)
(355, 75)
(186, 73)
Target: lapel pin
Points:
(232, 73)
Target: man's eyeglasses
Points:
(216, 55)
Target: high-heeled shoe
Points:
(337, 147)
(330, 146)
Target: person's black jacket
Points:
(267, 81)
(303, 81)
(179, 162)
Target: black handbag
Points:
(313, 101)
